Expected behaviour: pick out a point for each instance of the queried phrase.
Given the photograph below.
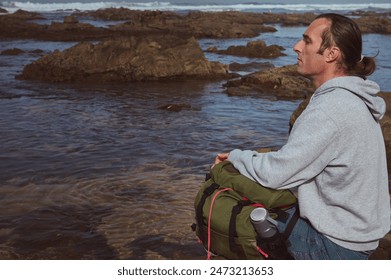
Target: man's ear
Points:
(333, 53)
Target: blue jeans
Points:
(309, 244)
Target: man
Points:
(335, 153)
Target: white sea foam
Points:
(12, 6)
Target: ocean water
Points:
(100, 172)
(203, 5)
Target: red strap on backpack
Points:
(210, 218)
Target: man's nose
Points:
(296, 47)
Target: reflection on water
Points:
(102, 173)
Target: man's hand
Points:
(220, 158)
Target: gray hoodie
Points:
(335, 154)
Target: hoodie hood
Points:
(366, 89)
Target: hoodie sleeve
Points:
(309, 149)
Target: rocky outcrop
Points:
(199, 24)
(228, 24)
(231, 24)
(21, 25)
(175, 107)
(256, 49)
(369, 22)
(126, 59)
(23, 15)
(374, 24)
(280, 83)
(129, 15)
(14, 51)
(250, 67)
(196, 24)
(17, 51)
(69, 23)
(288, 19)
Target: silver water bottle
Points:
(265, 226)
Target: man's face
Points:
(309, 62)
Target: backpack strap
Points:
(232, 227)
(199, 212)
(210, 217)
(291, 224)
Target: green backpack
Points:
(223, 206)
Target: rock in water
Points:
(126, 59)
